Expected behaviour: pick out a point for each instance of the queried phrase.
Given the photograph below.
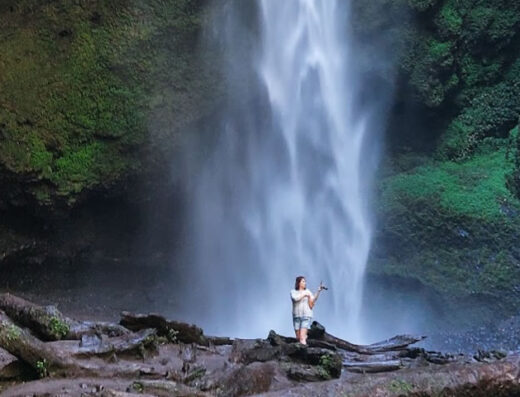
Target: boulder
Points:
(246, 351)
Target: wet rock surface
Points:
(502, 336)
(154, 362)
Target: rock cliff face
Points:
(97, 97)
(94, 98)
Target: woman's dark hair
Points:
(297, 282)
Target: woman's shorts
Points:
(302, 322)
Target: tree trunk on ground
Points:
(182, 332)
(38, 355)
(50, 324)
(373, 367)
(62, 359)
(399, 342)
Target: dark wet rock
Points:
(175, 330)
(501, 336)
(251, 379)
(489, 356)
(250, 350)
(330, 361)
(276, 365)
(305, 372)
(10, 366)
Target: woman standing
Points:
(303, 302)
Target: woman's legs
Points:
(297, 332)
(303, 336)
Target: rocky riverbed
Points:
(147, 354)
(503, 336)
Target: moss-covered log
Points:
(60, 359)
(50, 324)
(41, 357)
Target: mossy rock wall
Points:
(448, 189)
(83, 84)
(453, 227)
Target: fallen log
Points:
(317, 332)
(50, 324)
(398, 342)
(58, 358)
(20, 343)
(279, 340)
(117, 345)
(373, 367)
(173, 330)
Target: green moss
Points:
(453, 227)
(400, 386)
(13, 333)
(475, 188)
(449, 20)
(77, 81)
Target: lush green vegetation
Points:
(454, 225)
(474, 188)
(80, 84)
(449, 210)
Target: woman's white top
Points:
(300, 306)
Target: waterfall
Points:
(283, 190)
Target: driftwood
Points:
(182, 332)
(372, 367)
(317, 331)
(278, 340)
(117, 345)
(49, 323)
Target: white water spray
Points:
(283, 193)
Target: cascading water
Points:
(283, 192)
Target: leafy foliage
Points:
(58, 328)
